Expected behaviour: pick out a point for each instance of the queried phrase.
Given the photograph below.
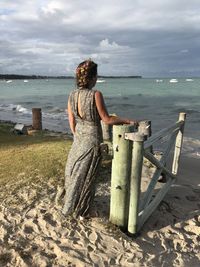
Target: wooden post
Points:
(135, 181)
(145, 128)
(178, 144)
(37, 118)
(121, 165)
(107, 131)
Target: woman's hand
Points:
(134, 122)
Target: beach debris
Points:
(20, 128)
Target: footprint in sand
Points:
(5, 259)
(43, 211)
(49, 219)
(30, 226)
(28, 229)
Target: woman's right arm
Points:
(108, 119)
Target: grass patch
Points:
(30, 160)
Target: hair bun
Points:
(85, 71)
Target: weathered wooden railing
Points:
(127, 210)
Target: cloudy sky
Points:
(153, 38)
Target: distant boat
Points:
(9, 81)
(100, 81)
(25, 81)
(189, 80)
(159, 81)
(173, 81)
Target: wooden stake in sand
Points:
(135, 179)
(120, 176)
(37, 118)
(178, 144)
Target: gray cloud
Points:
(151, 38)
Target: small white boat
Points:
(159, 81)
(189, 80)
(100, 81)
(9, 81)
(173, 81)
(25, 81)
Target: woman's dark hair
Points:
(85, 71)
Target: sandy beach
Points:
(34, 233)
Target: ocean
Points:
(158, 100)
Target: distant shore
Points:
(22, 77)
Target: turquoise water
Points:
(139, 99)
(111, 87)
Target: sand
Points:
(35, 233)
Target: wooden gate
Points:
(127, 209)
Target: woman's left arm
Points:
(71, 118)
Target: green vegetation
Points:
(31, 160)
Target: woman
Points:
(86, 109)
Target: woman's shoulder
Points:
(98, 93)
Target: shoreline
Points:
(46, 125)
(190, 149)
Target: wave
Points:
(21, 109)
(28, 102)
(48, 106)
(191, 147)
(53, 113)
(14, 108)
(56, 110)
(53, 116)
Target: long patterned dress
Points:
(84, 156)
